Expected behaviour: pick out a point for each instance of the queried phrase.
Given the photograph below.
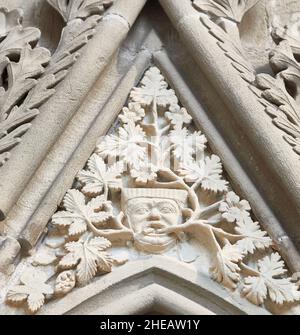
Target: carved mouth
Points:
(153, 228)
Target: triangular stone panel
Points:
(152, 186)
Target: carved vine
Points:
(29, 74)
(82, 232)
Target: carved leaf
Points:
(99, 176)
(127, 146)
(145, 173)
(18, 93)
(207, 171)
(178, 116)
(44, 258)
(267, 281)
(72, 9)
(226, 269)
(153, 90)
(187, 145)
(74, 36)
(230, 9)
(133, 113)
(21, 74)
(32, 288)
(234, 210)
(17, 39)
(88, 256)
(212, 179)
(255, 237)
(78, 214)
(282, 105)
(9, 20)
(280, 34)
(232, 48)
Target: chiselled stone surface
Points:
(153, 189)
(29, 73)
(153, 186)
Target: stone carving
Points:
(32, 289)
(150, 185)
(148, 211)
(280, 94)
(29, 73)
(226, 32)
(88, 256)
(70, 10)
(22, 64)
(229, 9)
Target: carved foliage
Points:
(229, 9)
(22, 64)
(156, 154)
(267, 280)
(280, 95)
(28, 73)
(82, 9)
(32, 289)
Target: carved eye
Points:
(166, 210)
(141, 210)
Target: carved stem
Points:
(192, 195)
(210, 208)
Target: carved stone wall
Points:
(155, 138)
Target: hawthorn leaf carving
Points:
(233, 209)
(88, 256)
(133, 113)
(186, 145)
(153, 89)
(128, 145)
(144, 173)
(44, 258)
(32, 289)
(268, 281)
(99, 176)
(207, 172)
(178, 116)
(79, 215)
(226, 269)
(255, 238)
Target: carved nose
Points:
(154, 215)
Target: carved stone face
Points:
(147, 216)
